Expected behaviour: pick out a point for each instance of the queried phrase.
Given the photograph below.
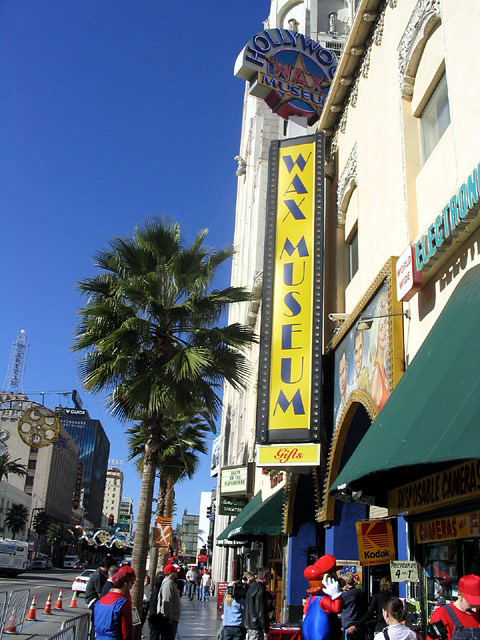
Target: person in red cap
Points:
(324, 603)
(113, 612)
(169, 602)
(460, 618)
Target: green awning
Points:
(432, 417)
(256, 518)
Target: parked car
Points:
(80, 565)
(41, 562)
(80, 583)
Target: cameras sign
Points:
(290, 72)
(375, 542)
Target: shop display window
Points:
(445, 563)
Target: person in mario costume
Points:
(324, 602)
(460, 619)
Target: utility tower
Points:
(16, 366)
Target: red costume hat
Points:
(314, 573)
(469, 587)
(123, 575)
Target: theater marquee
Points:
(289, 395)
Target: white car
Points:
(80, 583)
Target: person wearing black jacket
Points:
(354, 607)
(375, 608)
(155, 632)
(96, 582)
(256, 607)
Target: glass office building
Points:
(94, 449)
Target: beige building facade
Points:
(402, 245)
(401, 258)
(113, 494)
(51, 470)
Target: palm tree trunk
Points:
(167, 513)
(142, 531)
(162, 491)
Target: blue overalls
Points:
(107, 620)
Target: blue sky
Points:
(111, 111)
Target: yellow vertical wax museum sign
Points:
(293, 276)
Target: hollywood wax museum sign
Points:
(289, 71)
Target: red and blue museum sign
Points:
(290, 72)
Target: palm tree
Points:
(41, 522)
(16, 518)
(183, 438)
(7, 465)
(150, 331)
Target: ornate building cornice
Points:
(425, 18)
(375, 38)
(346, 184)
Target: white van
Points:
(70, 561)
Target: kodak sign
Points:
(290, 375)
(375, 542)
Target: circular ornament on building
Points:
(102, 537)
(4, 435)
(39, 427)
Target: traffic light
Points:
(111, 519)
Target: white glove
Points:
(331, 588)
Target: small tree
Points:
(7, 465)
(17, 518)
(41, 522)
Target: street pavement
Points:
(40, 583)
(199, 620)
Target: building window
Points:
(435, 118)
(353, 255)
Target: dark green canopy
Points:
(256, 518)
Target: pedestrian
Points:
(153, 606)
(256, 607)
(248, 579)
(198, 584)
(169, 602)
(206, 584)
(181, 580)
(375, 608)
(147, 594)
(394, 615)
(108, 583)
(233, 610)
(190, 578)
(113, 612)
(96, 582)
(459, 619)
(354, 608)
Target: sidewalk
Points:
(198, 620)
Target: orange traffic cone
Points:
(58, 604)
(32, 612)
(48, 605)
(73, 602)
(11, 626)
